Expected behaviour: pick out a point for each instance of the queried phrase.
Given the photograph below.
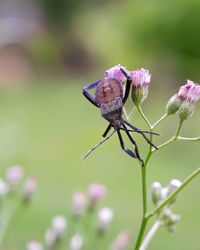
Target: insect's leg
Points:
(90, 97)
(92, 149)
(134, 143)
(142, 133)
(128, 83)
(107, 130)
(128, 151)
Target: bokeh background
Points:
(49, 50)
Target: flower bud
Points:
(59, 224)
(186, 110)
(76, 242)
(14, 175)
(156, 192)
(29, 189)
(116, 73)
(105, 217)
(140, 85)
(173, 185)
(50, 238)
(173, 105)
(122, 241)
(78, 203)
(34, 245)
(96, 192)
(3, 188)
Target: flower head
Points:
(105, 217)
(34, 245)
(184, 100)
(122, 241)
(76, 242)
(78, 203)
(96, 192)
(59, 224)
(116, 73)
(14, 175)
(140, 85)
(30, 186)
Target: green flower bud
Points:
(186, 110)
(173, 105)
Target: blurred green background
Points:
(49, 50)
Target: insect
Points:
(109, 98)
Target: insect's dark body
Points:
(109, 94)
(110, 98)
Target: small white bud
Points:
(59, 224)
(50, 238)
(105, 217)
(14, 175)
(3, 188)
(34, 245)
(156, 192)
(76, 242)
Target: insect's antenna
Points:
(143, 131)
(92, 149)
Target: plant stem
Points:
(172, 195)
(150, 235)
(174, 138)
(188, 138)
(139, 109)
(160, 120)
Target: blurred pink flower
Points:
(14, 175)
(116, 73)
(59, 224)
(96, 192)
(30, 187)
(78, 203)
(122, 241)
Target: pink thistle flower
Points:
(116, 73)
(122, 241)
(140, 85)
(96, 192)
(14, 175)
(189, 92)
(78, 203)
(30, 187)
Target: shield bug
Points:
(110, 97)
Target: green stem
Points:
(160, 120)
(139, 109)
(188, 138)
(150, 235)
(174, 138)
(172, 195)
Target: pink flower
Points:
(14, 175)
(189, 92)
(30, 186)
(122, 241)
(78, 203)
(116, 73)
(140, 85)
(96, 192)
